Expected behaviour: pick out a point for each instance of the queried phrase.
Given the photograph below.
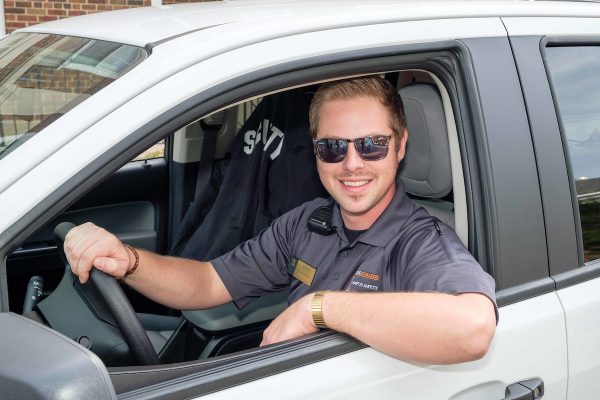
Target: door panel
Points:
(529, 342)
(133, 222)
(132, 200)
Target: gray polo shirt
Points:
(405, 250)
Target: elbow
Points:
(479, 337)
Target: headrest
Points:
(425, 170)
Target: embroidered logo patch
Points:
(364, 282)
(367, 275)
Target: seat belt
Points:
(209, 144)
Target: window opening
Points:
(574, 71)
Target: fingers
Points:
(282, 328)
(110, 265)
(74, 247)
(83, 259)
(87, 246)
(268, 335)
(294, 322)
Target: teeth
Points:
(355, 183)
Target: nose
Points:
(352, 162)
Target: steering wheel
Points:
(115, 301)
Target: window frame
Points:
(569, 42)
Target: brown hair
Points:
(370, 86)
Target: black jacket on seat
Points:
(269, 169)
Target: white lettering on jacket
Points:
(269, 135)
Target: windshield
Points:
(43, 76)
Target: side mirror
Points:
(41, 364)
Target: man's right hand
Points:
(87, 246)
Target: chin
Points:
(351, 207)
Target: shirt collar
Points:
(389, 223)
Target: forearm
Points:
(432, 328)
(177, 282)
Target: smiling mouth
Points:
(355, 183)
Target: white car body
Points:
(195, 48)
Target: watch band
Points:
(317, 309)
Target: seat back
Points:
(426, 171)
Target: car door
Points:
(556, 57)
(473, 61)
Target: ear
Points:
(402, 149)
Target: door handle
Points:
(530, 389)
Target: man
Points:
(399, 280)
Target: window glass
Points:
(156, 151)
(215, 122)
(43, 76)
(574, 71)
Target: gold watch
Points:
(317, 309)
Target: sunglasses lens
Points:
(331, 150)
(372, 148)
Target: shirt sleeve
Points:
(260, 265)
(437, 261)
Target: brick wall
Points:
(22, 13)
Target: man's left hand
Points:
(294, 322)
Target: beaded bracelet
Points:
(137, 259)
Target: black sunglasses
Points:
(370, 148)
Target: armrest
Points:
(227, 316)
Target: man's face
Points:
(363, 189)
